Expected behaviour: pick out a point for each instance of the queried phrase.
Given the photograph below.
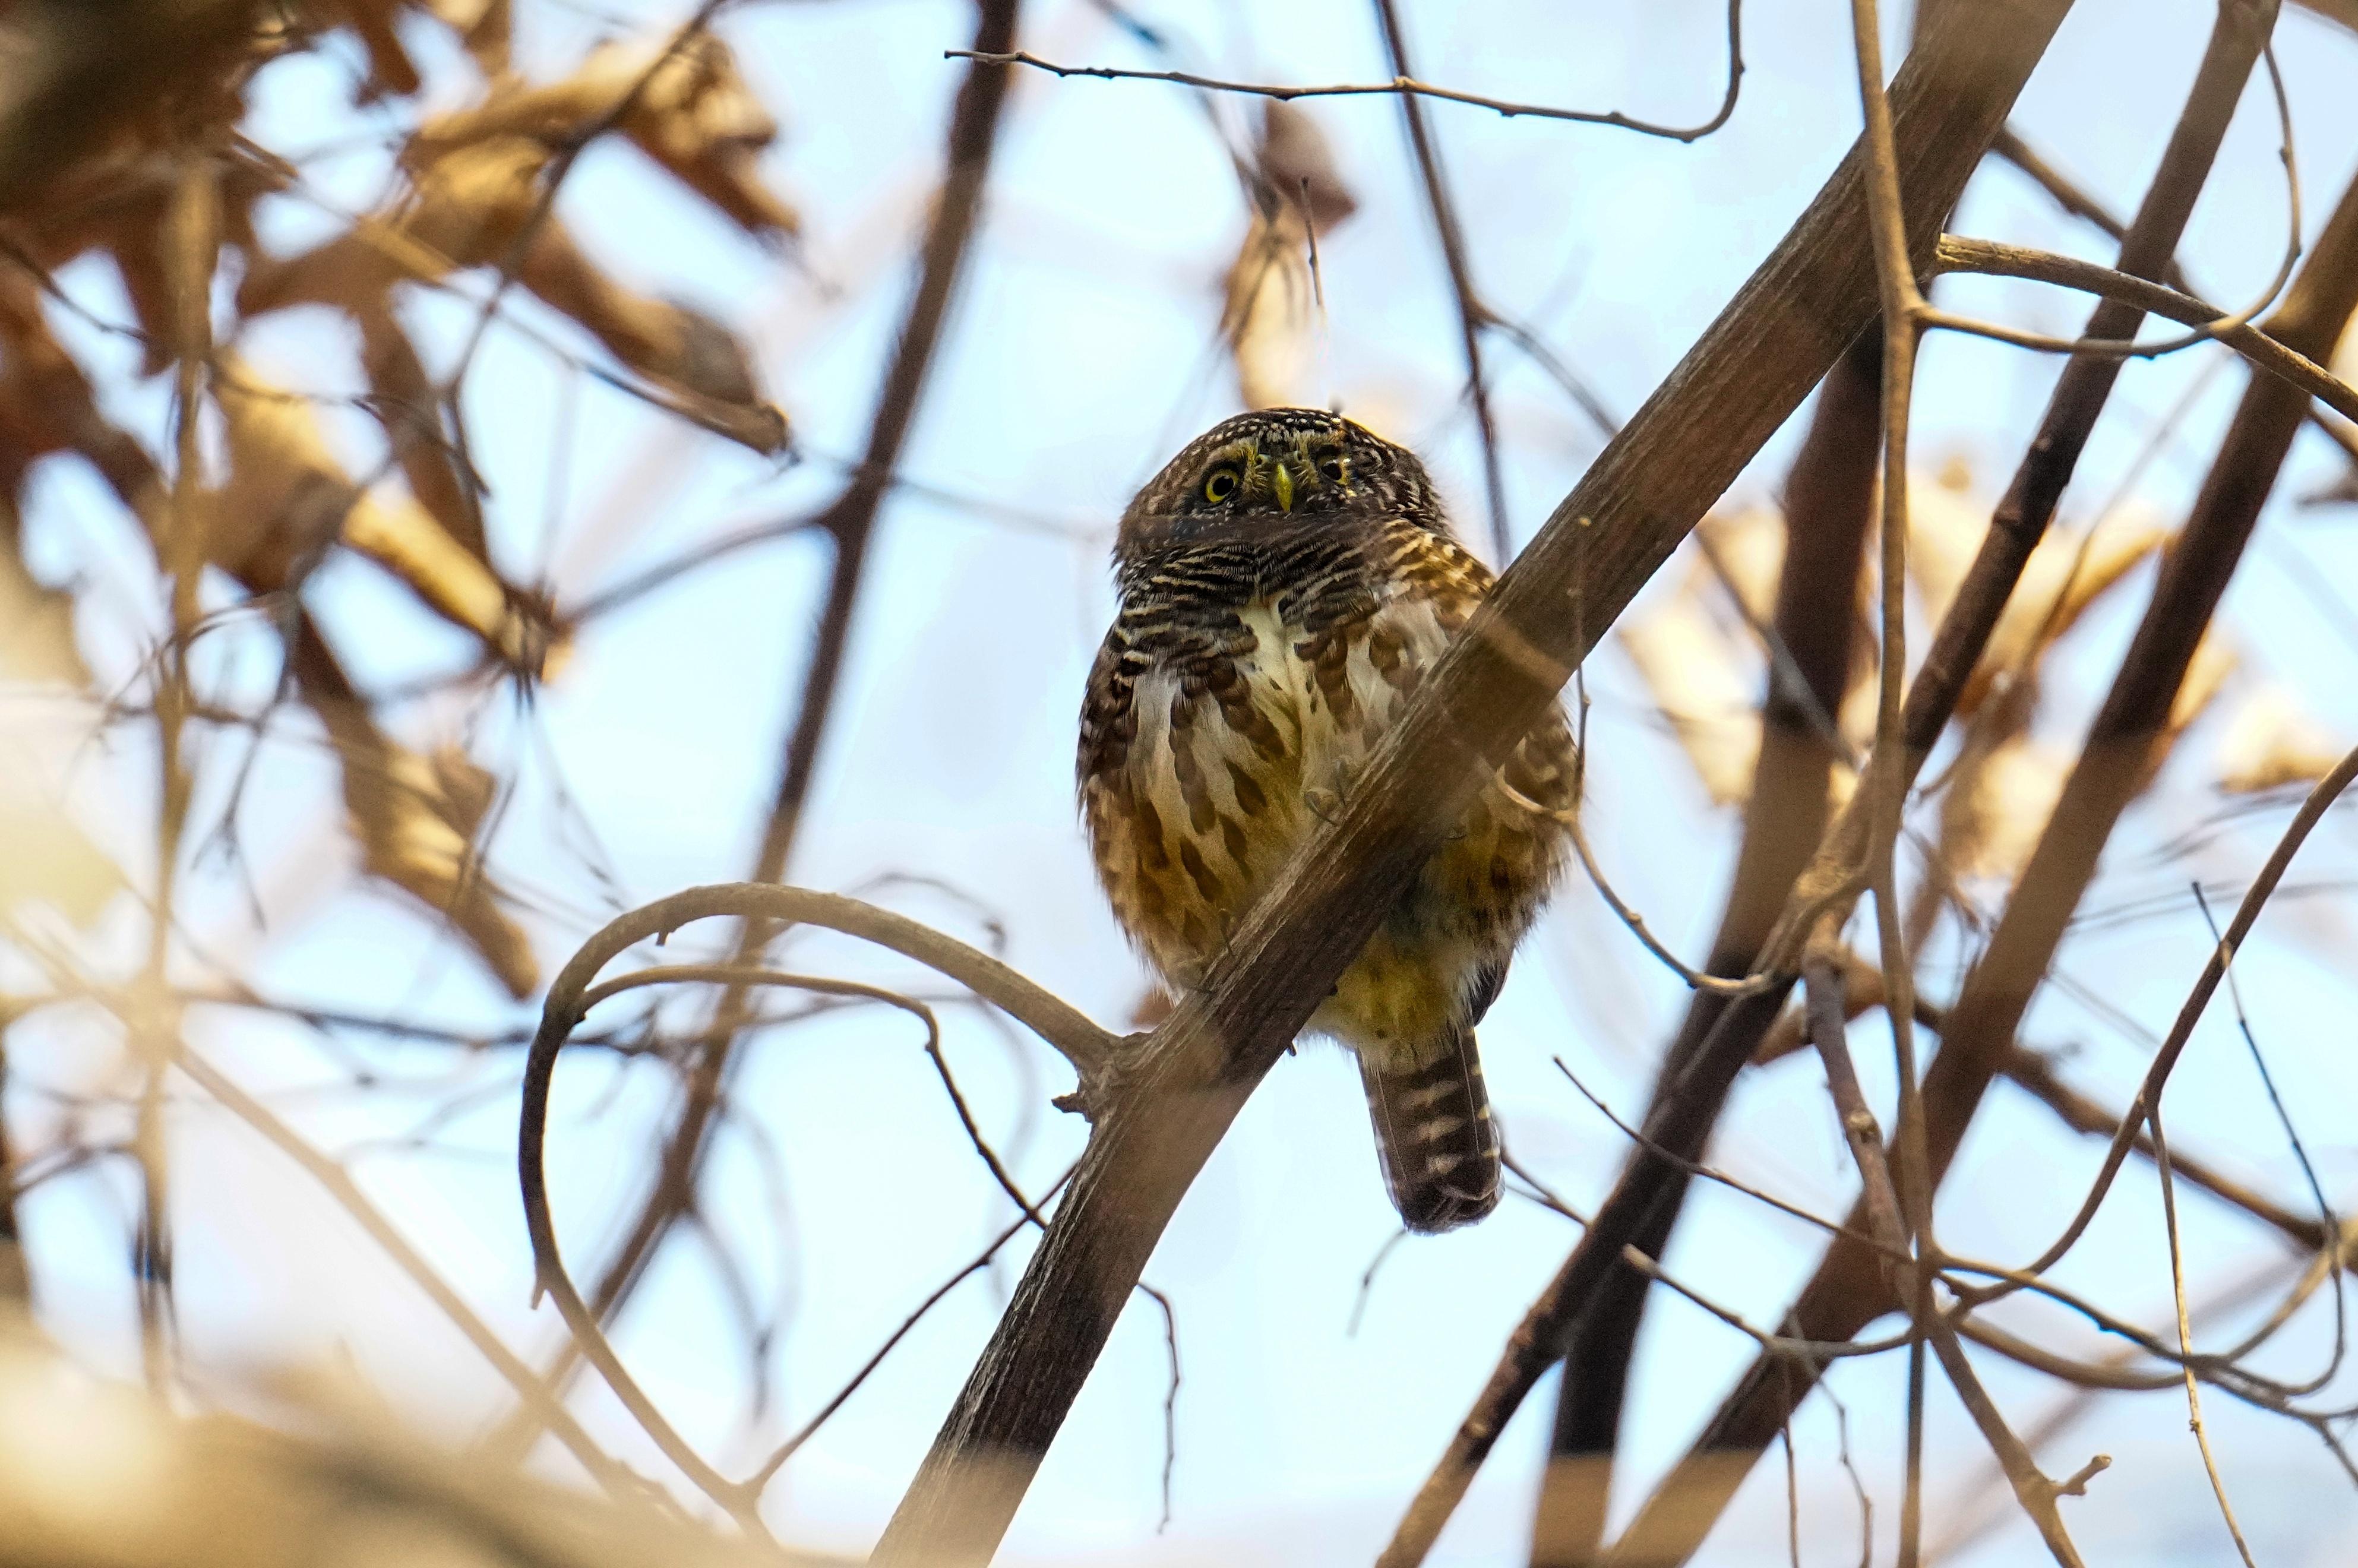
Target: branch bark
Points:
(76, 70)
(1846, 1292)
(1743, 378)
(1470, 314)
(1829, 499)
(1693, 1086)
(851, 521)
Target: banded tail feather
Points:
(1434, 1137)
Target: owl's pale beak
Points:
(1282, 481)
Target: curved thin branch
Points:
(2140, 1110)
(570, 996)
(1990, 258)
(850, 519)
(1696, 980)
(1411, 87)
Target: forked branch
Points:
(1089, 1048)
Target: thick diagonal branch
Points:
(1740, 381)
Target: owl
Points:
(1284, 584)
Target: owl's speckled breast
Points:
(1247, 715)
(1286, 580)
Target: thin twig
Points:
(759, 1479)
(1958, 254)
(1407, 86)
(2186, 1336)
(1470, 311)
(2182, 1030)
(1847, 1290)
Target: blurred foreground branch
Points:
(136, 1483)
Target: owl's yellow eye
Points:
(1220, 484)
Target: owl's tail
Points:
(1433, 1134)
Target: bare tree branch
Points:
(1409, 87)
(851, 521)
(1982, 1024)
(1740, 381)
(1470, 314)
(763, 906)
(1829, 499)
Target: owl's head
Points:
(1274, 467)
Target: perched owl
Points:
(1284, 584)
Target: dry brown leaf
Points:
(1945, 529)
(46, 405)
(471, 207)
(1998, 806)
(46, 858)
(1701, 688)
(2271, 742)
(37, 630)
(416, 817)
(1700, 650)
(96, 1473)
(391, 71)
(2066, 574)
(464, 210)
(2214, 660)
(117, 201)
(693, 113)
(2067, 571)
(1750, 545)
(676, 346)
(485, 26)
(287, 499)
(404, 400)
(1296, 166)
(1271, 312)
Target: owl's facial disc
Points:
(1306, 473)
(1282, 469)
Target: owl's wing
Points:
(1543, 768)
(1108, 717)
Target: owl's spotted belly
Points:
(1237, 751)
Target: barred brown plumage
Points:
(1284, 582)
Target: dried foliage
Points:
(93, 1476)
(476, 209)
(1887, 680)
(1273, 303)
